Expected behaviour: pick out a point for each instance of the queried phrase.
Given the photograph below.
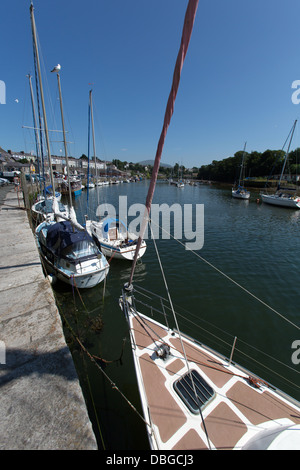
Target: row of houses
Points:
(15, 161)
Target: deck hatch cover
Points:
(184, 388)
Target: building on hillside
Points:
(10, 161)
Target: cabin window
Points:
(184, 388)
(80, 249)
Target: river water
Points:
(253, 244)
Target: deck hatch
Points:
(184, 388)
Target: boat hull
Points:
(240, 194)
(122, 253)
(283, 201)
(120, 246)
(83, 272)
(82, 281)
(40, 211)
(77, 192)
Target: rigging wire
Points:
(184, 44)
(180, 338)
(37, 87)
(233, 281)
(291, 132)
(218, 339)
(47, 89)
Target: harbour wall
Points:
(42, 405)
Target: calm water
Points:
(254, 244)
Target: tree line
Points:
(266, 164)
(257, 165)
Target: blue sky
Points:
(235, 84)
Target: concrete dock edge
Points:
(41, 402)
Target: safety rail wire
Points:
(188, 318)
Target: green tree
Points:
(256, 165)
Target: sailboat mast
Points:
(287, 153)
(242, 165)
(33, 26)
(94, 144)
(37, 140)
(185, 40)
(88, 169)
(40, 129)
(64, 136)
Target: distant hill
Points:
(151, 162)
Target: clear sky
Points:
(235, 84)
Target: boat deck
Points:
(237, 411)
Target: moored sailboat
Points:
(66, 249)
(111, 235)
(70, 254)
(42, 208)
(74, 185)
(192, 397)
(241, 192)
(114, 240)
(284, 197)
(195, 398)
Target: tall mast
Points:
(88, 170)
(287, 153)
(37, 140)
(64, 136)
(242, 164)
(42, 95)
(185, 39)
(94, 145)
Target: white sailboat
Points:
(112, 235)
(180, 183)
(284, 197)
(42, 209)
(37, 59)
(114, 240)
(192, 397)
(240, 192)
(195, 398)
(70, 254)
(65, 247)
